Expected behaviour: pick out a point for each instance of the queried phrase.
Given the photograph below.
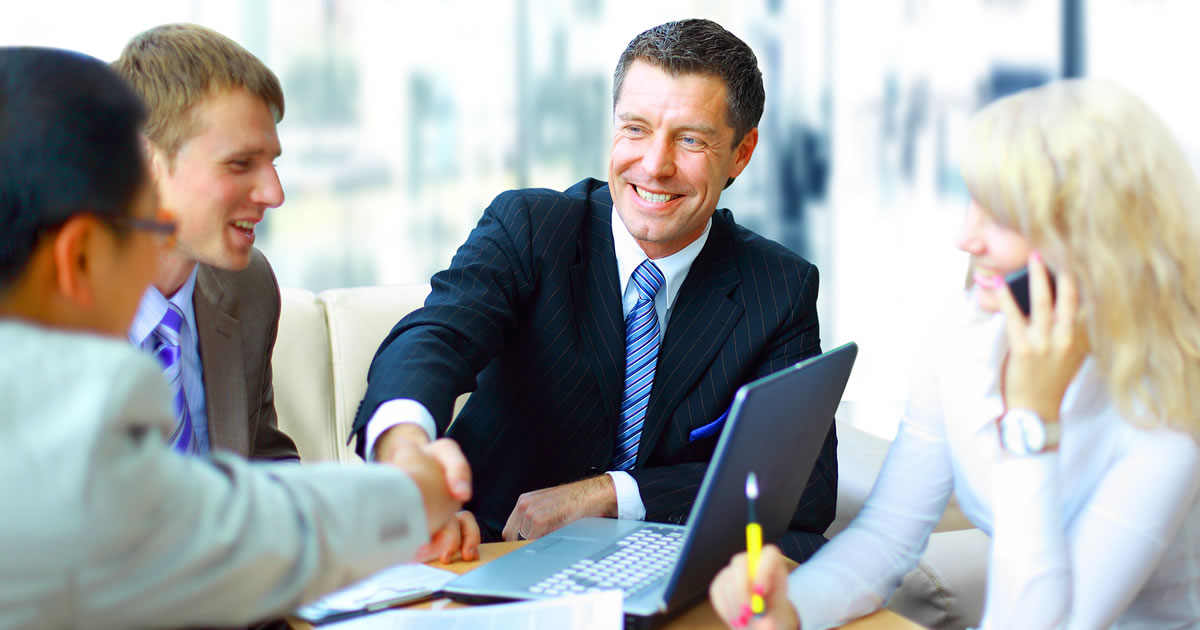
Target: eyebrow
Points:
(701, 129)
(247, 152)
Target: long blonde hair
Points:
(1095, 181)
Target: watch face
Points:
(1011, 436)
(1022, 432)
(1034, 432)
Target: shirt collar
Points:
(154, 305)
(674, 267)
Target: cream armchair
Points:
(325, 345)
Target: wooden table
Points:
(700, 617)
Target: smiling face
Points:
(222, 181)
(995, 250)
(672, 153)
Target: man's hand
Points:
(459, 536)
(435, 468)
(730, 593)
(388, 441)
(392, 445)
(540, 512)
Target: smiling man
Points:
(212, 313)
(604, 330)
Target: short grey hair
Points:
(698, 46)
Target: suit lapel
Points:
(702, 318)
(597, 298)
(220, 336)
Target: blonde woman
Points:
(1069, 435)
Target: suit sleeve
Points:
(190, 541)
(269, 441)
(669, 491)
(434, 353)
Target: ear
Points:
(156, 159)
(72, 262)
(741, 155)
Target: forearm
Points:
(1086, 571)
(192, 542)
(858, 569)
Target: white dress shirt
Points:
(191, 373)
(629, 255)
(1104, 532)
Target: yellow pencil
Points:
(753, 542)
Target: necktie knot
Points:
(648, 279)
(170, 325)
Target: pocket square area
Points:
(699, 433)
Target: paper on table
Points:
(404, 582)
(593, 611)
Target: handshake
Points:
(443, 477)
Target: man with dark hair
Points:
(604, 330)
(104, 525)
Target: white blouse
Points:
(1103, 533)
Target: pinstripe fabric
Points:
(641, 357)
(528, 317)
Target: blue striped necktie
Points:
(641, 356)
(166, 350)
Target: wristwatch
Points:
(1023, 432)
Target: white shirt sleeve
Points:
(397, 411)
(1044, 574)
(629, 497)
(856, 572)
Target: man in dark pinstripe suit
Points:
(530, 317)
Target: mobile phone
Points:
(1018, 283)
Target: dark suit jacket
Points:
(237, 317)
(528, 316)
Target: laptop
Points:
(775, 428)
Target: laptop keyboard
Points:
(630, 565)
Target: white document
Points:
(593, 611)
(399, 584)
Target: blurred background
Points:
(404, 119)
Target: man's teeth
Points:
(245, 225)
(651, 197)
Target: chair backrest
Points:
(358, 320)
(325, 345)
(303, 377)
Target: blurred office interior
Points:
(404, 119)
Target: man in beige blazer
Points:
(213, 107)
(104, 525)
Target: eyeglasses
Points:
(163, 226)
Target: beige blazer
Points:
(237, 317)
(105, 527)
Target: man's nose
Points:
(659, 159)
(268, 191)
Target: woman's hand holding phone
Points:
(1046, 347)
